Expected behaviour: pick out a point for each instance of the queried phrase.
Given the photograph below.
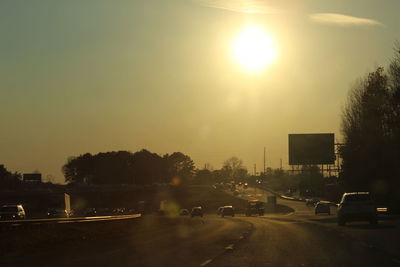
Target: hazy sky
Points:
(95, 76)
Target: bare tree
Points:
(232, 167)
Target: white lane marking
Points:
(206, 262)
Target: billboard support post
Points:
(67, 201)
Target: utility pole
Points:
(264, 161)
(281, 164)
(255, 169)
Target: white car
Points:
(322, 207)
(357, 206)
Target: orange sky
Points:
(96, 76)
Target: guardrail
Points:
(31, 222)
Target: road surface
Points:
(305, 239)
(296, 239)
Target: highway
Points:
(296, 239)
(305, 239)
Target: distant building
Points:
(32, 177)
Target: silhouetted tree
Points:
(204, 176)
(123, 167)
(9, 180)
(179, 165)
(232, 167)
(311, 181)
(102, 168)
(148, 168)
(371, 132)
(364, 128)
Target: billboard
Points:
(308, 149)
(32, 177)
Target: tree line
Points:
(144, 168)
(123, 167)
(9, 180)
(371, 131)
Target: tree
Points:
(371, 133)
(179, 166)
(232, 166)
(204, 176)
(364, 128)
(148, 168)
(9, 180)
(103, 168)
(311, 180)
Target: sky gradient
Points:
(96, 76)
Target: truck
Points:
(254, 207)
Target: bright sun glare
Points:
(254, 49)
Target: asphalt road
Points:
(305, 239)
(149, 241)
(296, 239)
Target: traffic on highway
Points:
(251, 235)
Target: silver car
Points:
(322, 207)
(357, 206)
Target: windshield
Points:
(9, 209)
(357, 197)
(169, 133)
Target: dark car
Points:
(322, 207)
(183, 212)
(227, 211)
(196, 211)
(91, 212)
(12, 212)
(57, 213)
(357, 206)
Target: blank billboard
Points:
(32, 177)
(307, 149)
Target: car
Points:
(12, 212)
(196, 211)
(183, 212)
(90, 212)
(357, 206)
(322, 207)
(227, 211)
(57, 213)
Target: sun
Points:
(254, 49)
